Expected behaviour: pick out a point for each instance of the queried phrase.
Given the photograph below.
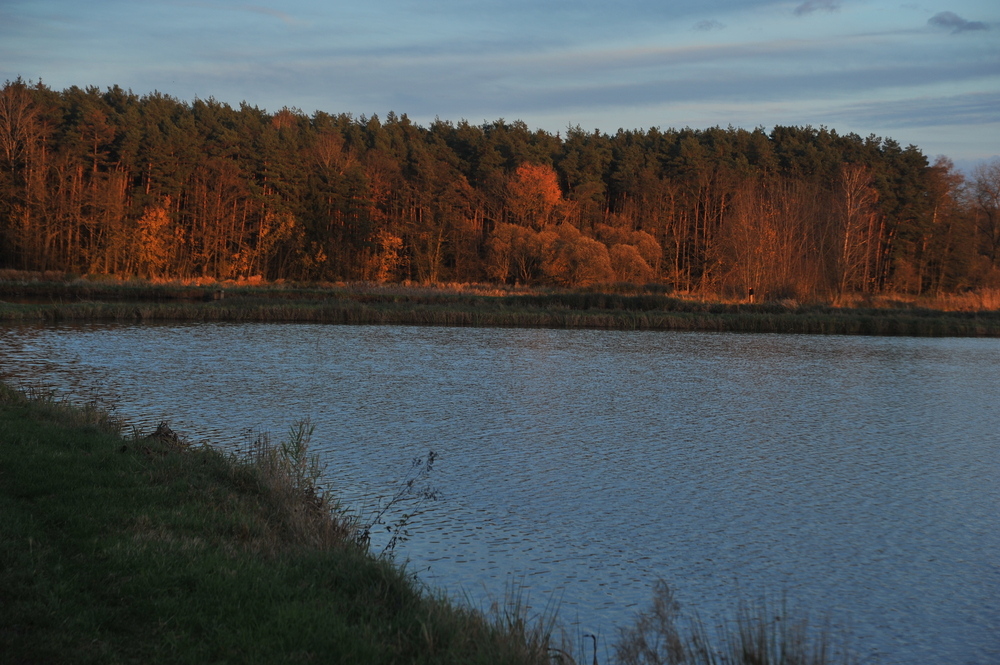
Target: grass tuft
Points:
(757, 636)
(290, 476)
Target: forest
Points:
(113, 183)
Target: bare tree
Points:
(986, 192)
(859, 230)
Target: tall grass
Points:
(758, 635)
(291, 477)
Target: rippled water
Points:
(858, 477)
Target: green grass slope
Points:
(142, 550)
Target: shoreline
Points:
(144, 548)
(25, 302)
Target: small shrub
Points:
(414, 487)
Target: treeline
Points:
(114, 183)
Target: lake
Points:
(856, 477)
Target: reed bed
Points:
(563, 311)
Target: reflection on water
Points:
(860, 477)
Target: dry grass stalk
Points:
(758, 636)
(292, 476)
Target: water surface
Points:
(858, 477)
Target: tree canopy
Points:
(111, 182)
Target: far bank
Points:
(34, 300)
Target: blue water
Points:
(857, 478)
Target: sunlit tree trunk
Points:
(859, 231)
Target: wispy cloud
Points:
(708, 26)
(732, 88)
(955, 23)
(557, 84)
(284, 17)
(811, 6)
(967, 110)
(267, 11)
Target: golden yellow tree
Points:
(386, 259)
(572, 259)
(533, 194)
(514, 252)
(155, 236)
(629, 265)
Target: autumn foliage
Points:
(113, 183)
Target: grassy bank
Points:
(80, 300)
(141, 549)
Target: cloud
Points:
(956, 23)
(708, 26)
(267, 11)
(250, 9)
(968, 110)
(511, 86)
(811, 6)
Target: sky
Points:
(923, 72)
